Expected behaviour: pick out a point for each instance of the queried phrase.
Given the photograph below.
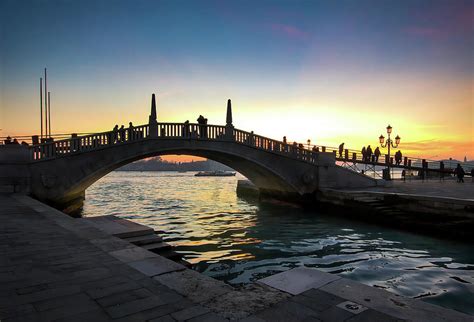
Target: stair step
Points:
(157, 246)
(144, 240)
(168, 253)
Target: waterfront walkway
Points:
(447, 188)
(57, 268)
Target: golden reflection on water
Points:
(237, 241)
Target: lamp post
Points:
(388, 144)
(309, 143)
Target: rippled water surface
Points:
(239, 241)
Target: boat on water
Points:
(215, 174)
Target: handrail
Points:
(170, 130)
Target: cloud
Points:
(289, 31)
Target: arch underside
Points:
(265, 178)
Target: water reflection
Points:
(236, 241)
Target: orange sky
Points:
(318, 70)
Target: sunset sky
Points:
(330, 71)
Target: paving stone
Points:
(61, 301)
(209, 317)
(317, 300)
(197, 287)
(287, 311)
(15, 311)
(352, 307)
(372, 315)
(298, 280)
(134, 306)
(48, 294)
(113, 289)
(166, 318)
(156, 312)
(132, 254)
(190, 313)
(124, 297)
(156, 266)
(97, 315)
(392, 304)
(252, 319)
(334, 314)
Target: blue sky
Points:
(105, 58)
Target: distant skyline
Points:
(329, 71)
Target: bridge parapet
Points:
(181, 131)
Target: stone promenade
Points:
(57, 268)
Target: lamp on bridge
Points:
(309, 143)
(388, 144)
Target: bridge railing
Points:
(76, 144)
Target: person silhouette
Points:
(398, 157)
(368, 153)
(377, 154)
(115, 134)
(131, 131)
(122, 133)
(200, 121)
(341, 148)
(459, 171)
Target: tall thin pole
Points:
(46, 100)
(49, 112)
(41, 105)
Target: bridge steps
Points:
(144, 240)
(137, 234)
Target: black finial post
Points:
(228, 119)
(152, 122)
(229, 128)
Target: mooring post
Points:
(152, 122)
(229, 127)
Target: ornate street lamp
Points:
(389, 144)
(309, 143)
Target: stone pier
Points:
(57, 268)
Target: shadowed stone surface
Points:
(54, 267)
(298, 280)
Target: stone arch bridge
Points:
(59, 172)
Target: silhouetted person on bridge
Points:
(459, 171)
(115, 134)
(368, 153)
(186, 130)
(15, 141)
(341, 148)
(122, 133)
(202, 126)
(284, 140)
(398, 157)
(364, 153)
(404, 175)
(8, 140)
(131, 131)
(377, 154)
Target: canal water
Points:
(240, 241)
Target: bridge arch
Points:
(74, 173)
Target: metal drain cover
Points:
(352, 307)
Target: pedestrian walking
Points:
(341, 148)
(364, 153)
(115, 134)
(377, 154)
(368, 153)
(459, 171)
